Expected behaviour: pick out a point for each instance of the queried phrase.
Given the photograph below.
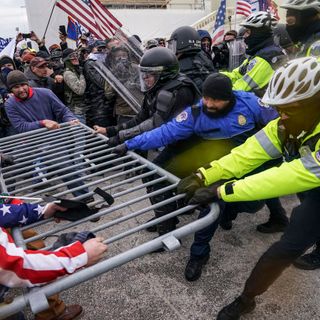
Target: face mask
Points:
(206, 47)
(121, 67)
(100, 56)
(296, 32)
(5, 71)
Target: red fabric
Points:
(30, 94)
(24, 265)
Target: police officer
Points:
(303, 26)
(265, 57)
(185, 42)
(295, 91)
(223, 119)
(166, 91)
(254, 75)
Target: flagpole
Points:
(45, 32)
(235, 17)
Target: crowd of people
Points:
(254, 128)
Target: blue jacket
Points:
(246, 117)
(42, 104)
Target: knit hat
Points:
(66, 54)
(5, 60)
(217, 86)
(16, 77)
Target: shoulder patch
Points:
(251, 65)
(318, 155)
(182, 116)
(242, 120)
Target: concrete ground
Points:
(154, 287)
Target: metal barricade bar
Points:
(82, 165)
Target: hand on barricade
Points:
(51, 125)
(206, 195)
(98, 129)
(189, 185)
(74, 122)
(95, 250)
(6, 160)
(121, 149)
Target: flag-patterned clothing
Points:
(28, 268)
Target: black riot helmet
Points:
(184, 39)
(156, 67)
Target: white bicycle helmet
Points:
(260, 19)
(299, 79)
(301, 4)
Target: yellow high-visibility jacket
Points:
(299, 175)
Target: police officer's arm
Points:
(258, 149)
(168, 105)
(180, 128)
(257, 76)
(233, 75)
(291, 177)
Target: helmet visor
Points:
(149, 76)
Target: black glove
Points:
(113, 141)
(206, 195)
(189, 185)
(121, 149)
(6, 160)
(112, 131)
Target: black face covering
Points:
(256, 38)
(304, 18)
(220, 113)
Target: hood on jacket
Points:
(204, 34)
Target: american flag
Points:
(243, 7)
(218, 31)
(92, 15)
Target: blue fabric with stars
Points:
(12, 215)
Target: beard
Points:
(219, 113)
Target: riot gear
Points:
(157, 66)
(184, 39)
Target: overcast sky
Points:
(12, 15)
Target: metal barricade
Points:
(72, 158)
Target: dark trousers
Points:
(302, 232)
(228, 211)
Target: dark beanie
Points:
(217, 86)
(16, 77)
(66, 53)
(5, 60)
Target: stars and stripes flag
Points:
(218, 31)
(243, 7)
(92, 15)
